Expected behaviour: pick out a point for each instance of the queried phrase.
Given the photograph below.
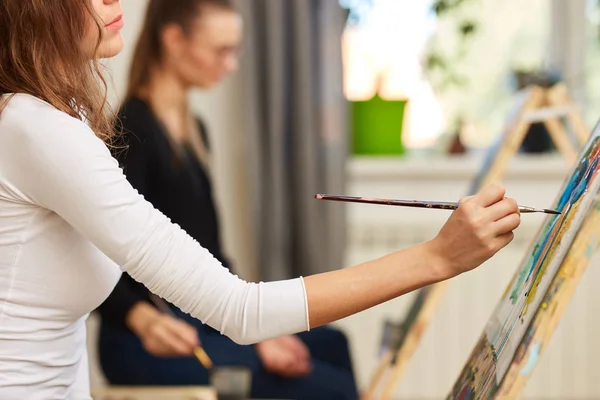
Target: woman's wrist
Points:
(437, 261)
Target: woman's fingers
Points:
(501, 209)
(489, 195)
(506, 224)
(503, 240)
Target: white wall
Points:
(221, 111)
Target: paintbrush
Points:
(198, 351)
(439, 205)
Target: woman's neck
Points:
(168, 98)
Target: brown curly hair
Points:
(41, 55)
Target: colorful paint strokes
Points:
(508, 325)
(553, 305)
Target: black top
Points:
(174, 182)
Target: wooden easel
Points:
(562, 119)
(535, 104)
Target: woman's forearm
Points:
(338, 294)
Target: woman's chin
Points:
(110, 47)
(208, 84)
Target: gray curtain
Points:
(295, 133)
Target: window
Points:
(383, 46)
(386, 42)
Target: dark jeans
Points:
(125, 362)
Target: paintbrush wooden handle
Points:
(203, 357)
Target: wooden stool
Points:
(154, 393)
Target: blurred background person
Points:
(186, 44)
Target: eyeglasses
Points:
(225, 52)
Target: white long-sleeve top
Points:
(68, 220)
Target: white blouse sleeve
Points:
(62, 166)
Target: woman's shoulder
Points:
(135, 106)
(35, 120)
(203, 131)
(135, 112)
(135, 120)
(33, 132)
(35, 109)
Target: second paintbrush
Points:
(439, 205)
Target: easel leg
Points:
(513, 135)
(559, 96)
(393, 379)
(378, 376)
(561, 139)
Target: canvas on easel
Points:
(556, 110)
(530, 307)
(552, 307)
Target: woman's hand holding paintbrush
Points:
(163, 334)
(482, 220)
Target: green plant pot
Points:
(377, 126)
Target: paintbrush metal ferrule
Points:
(525, 209)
